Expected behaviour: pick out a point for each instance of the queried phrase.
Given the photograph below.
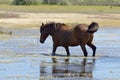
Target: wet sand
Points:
(22, 57)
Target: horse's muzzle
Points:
(41, 41)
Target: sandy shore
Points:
(35, 19)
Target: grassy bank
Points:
(60, 9)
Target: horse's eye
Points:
(43, 31)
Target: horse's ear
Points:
(42, 24)
(55, 26)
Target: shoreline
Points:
(34, 20)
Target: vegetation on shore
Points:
(63, 2)
(70, 6)
(60, 9)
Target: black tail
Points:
(93, 27)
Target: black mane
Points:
(57, 24)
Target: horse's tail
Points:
(93, 27)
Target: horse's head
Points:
(46, 30)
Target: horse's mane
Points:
(58, 24)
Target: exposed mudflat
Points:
(22, 57)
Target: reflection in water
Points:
(58, 69)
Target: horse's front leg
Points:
(84, 50)
(67, 50)
(54, 49)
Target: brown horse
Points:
(65, 36)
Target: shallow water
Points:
(22, 57)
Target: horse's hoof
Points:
(93, 55)
(85, 56)
(52, 54)
(68, 55)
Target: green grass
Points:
(60, 9)
(6, 1)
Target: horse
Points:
(65, 36)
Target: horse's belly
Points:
(74, 44)
(68, 43)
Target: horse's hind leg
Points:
(84, 50)
(93, 48)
